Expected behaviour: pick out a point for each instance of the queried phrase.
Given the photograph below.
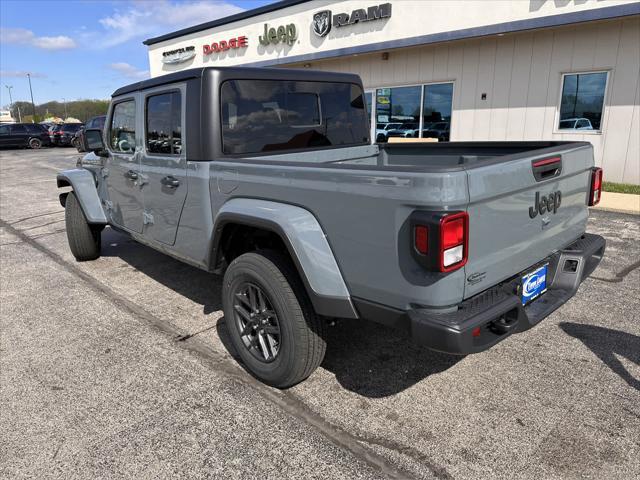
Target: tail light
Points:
(440, 240)
(454, 241)
(595, 192)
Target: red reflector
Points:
(421, 239)
(546, 161)
(476, 332)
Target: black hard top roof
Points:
(224, 21)
(256, 73)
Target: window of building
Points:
(266, 115)
(436, 111)
(414, 112)
(122, 135)
(582, 101)
(164, 124)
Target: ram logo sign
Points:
(323, 20)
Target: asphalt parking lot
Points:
(121, 367)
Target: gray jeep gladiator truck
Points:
(268, 176)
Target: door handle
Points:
(131, 175)
(170, 181)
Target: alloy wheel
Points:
(257, 322)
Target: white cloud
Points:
(129, 71)
(23, 36)
(20, 74)
(148, 19)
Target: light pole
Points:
(9, 87)
(33, 120)
(65, 108)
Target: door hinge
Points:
(147, 218)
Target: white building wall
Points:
(521, 74)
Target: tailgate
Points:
(504, 239)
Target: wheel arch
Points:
(84, 187)
(301, 238)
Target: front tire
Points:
(270, 319)
(84, 239)
(35, 143)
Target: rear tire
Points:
(84, 239)
(35, 143)
(300, 332)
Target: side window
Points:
(582, 101)
(163, 133)
(18, 129)
(122, 134)
(4, 130)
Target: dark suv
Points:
(78, 139)
(31, 135)
(62, 135)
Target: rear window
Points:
(267, 115)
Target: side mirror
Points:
(93, 142)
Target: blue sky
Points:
(78, 49)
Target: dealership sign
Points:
(178, 55)
(224, 45)
(283, 34)
(323, 20)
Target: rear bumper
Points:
(488, 318)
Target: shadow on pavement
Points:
(376, 361)
(369, 359)
(197, 285)
(606, 344)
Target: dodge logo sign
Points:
(322, 22)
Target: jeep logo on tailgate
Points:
(550, 203)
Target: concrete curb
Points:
(619, 202)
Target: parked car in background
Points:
(61, 135)
(78, 139)
(383, 128)
(439, 130)
(406, 130)
(575, 124)
(30, 135)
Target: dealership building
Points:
(452, 69)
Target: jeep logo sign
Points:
(322, 20)
(283, 34)
(550, 203)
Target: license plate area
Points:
(533, 284)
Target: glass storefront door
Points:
(419, 111)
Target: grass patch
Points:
(621, 188)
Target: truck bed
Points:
(427, 157)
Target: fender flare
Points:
(307, 245)
(84, 186)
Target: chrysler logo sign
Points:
(323, 20)
(178, 55)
